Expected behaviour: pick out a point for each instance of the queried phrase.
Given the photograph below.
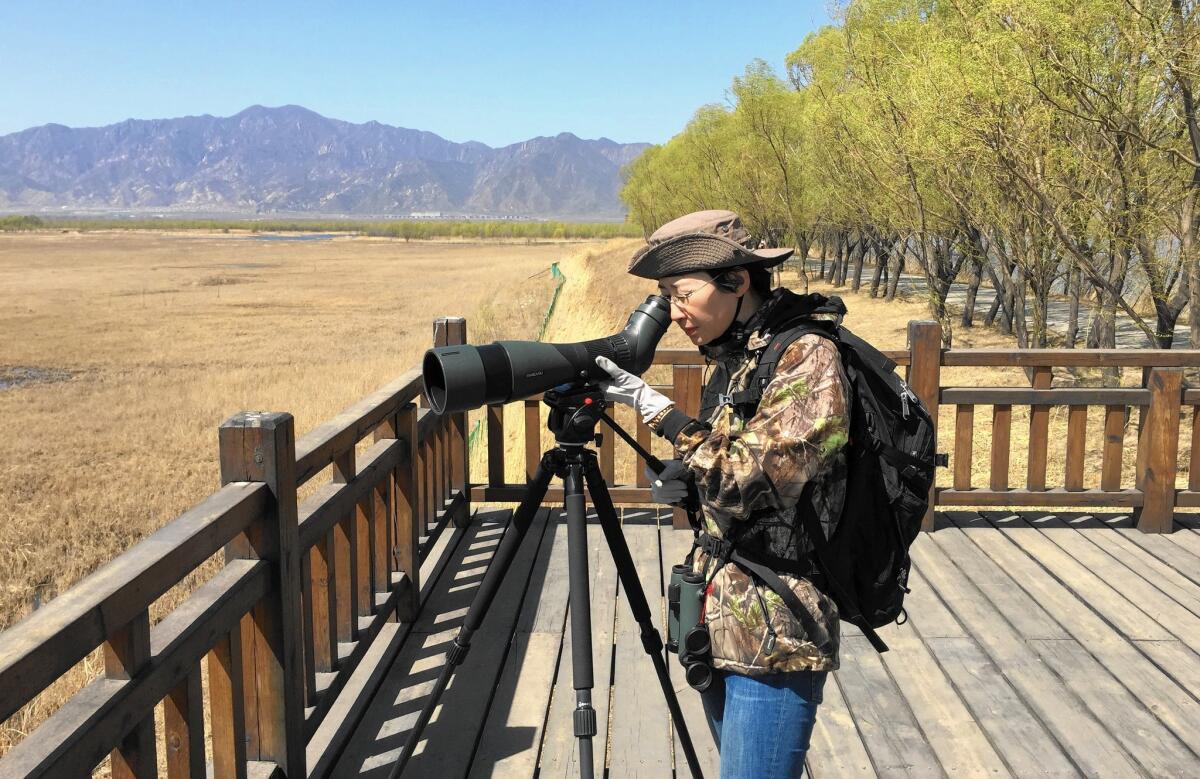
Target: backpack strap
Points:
(769, 356)
(724, 551)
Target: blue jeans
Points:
(762, 724)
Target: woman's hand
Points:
(632, 391)
(669, 485)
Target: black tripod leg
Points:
(581, 616)
(521, 519)
(632, 586)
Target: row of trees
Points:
(17, 223)
(407, 229)
(1036, 146)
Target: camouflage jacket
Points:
(796, 436)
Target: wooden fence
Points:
(305, 593)
(296, 627)
(1159, 401)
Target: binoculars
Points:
(687, 634)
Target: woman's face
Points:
(701, 309)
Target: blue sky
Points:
(493, 72)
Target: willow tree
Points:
(1038, 144)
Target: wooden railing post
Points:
(533, 438)
(384, 559)
(126, 653)
(1158, 451)
(344, 577)
(924, 377)
(495, 446)
(452, 331)
(183, 723)
(227, 705)
(1039, 433)
(407, 533)
(687, 381)
(261, 447)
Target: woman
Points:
(754, 469)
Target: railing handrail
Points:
(46, 643)
(923, 362)
(87, 726)
(1072, 358)
(999, 358)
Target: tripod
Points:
(574, 412)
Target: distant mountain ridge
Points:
(291, 159)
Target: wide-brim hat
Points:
(703, 240)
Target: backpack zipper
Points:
(905, 393)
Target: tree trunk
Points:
(1002, 306)
(1100, 329)
(860, 252)
(803, 243)
(990, 318)
(838, 253)
(1041, 301)
(1167, 317)
(882, 250)
(975, 269)
(844, 261)
(1017, 297)
(1074, 276)
(895, 269)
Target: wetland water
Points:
(297, 237)
(18, 375)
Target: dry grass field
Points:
(122, 352)
(140, 344)
(164, 336)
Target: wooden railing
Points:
(305, 593)
(1153, 496)
(298, 624)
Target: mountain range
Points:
(292, 160)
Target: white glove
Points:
(632, 391)
(668, 486)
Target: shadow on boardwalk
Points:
(1036, 645)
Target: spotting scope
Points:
(461, 378)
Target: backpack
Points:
(890, 469)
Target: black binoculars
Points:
(687, 634)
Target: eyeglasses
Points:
(681, 301)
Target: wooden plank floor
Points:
(1060, 645)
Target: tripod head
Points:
(575, 409)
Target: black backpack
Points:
(891, 461)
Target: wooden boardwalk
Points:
(1037, 645)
